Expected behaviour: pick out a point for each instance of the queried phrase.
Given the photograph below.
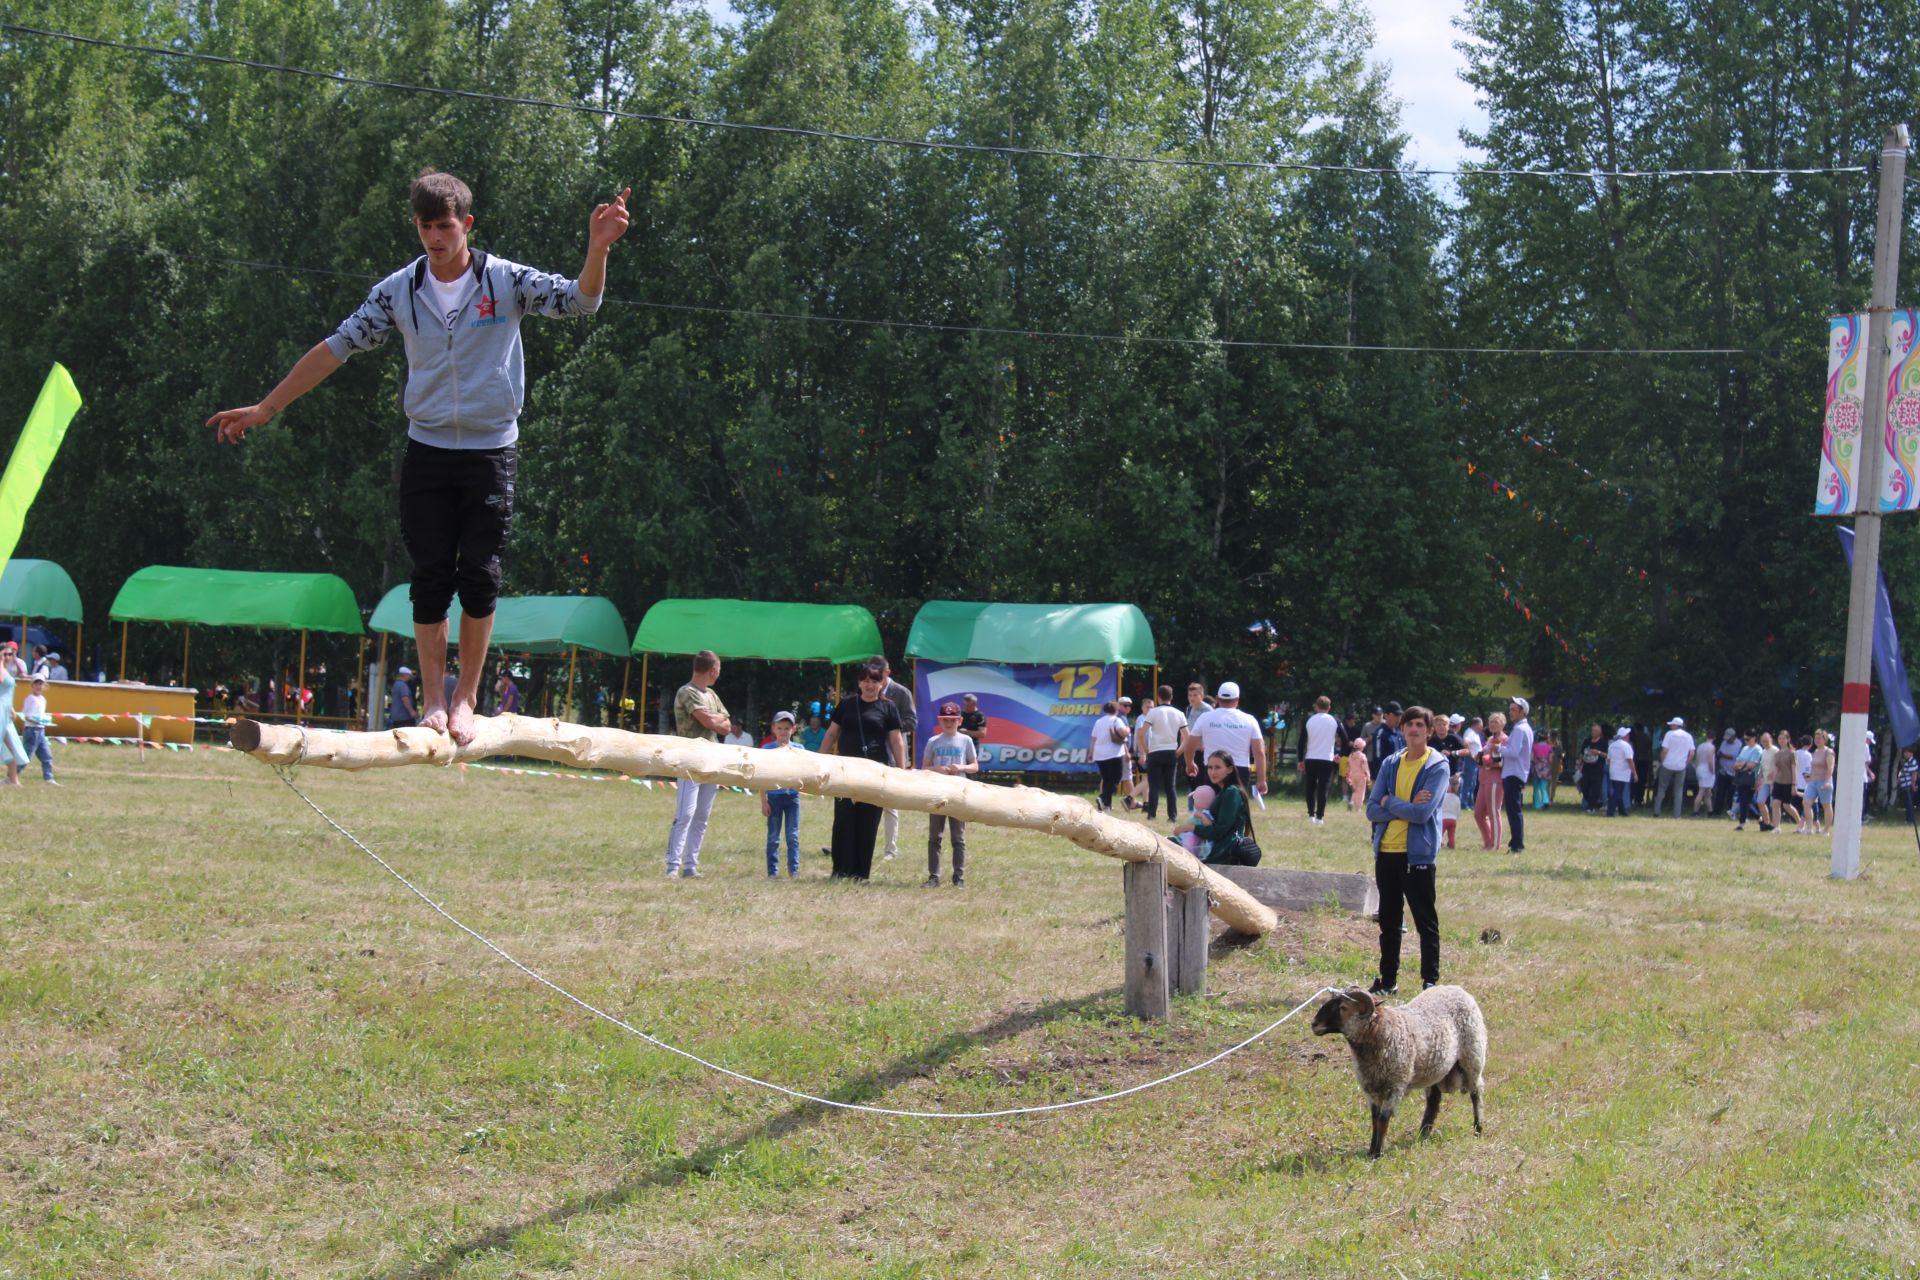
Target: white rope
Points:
(286, 776)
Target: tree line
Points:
(1218, 442)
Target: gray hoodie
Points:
(465, 382)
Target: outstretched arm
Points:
(311, 370)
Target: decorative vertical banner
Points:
(1039, 718)
(1903, 414)
(33, 453)
(1845, 432)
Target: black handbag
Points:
(1245, 850)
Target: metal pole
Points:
(573, 662)
(1848, 792)
(378, 687)
(300, 678)
(642, 727)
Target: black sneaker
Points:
(1381, 988)
(1427, 986)
(933, 882)
(959, 882)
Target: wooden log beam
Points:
(655, 755)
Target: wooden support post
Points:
(1187, 938)
(300, 678)
(1145, 884)
(642, 726)
(620, 709)
(186, 654)
(123, 650)
(79, 651)
(360, 671)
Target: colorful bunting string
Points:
(1477, 474)
(1544, 450)
(1512, 596)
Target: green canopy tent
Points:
(525, 624)
(40, 589)
(772, 630)
(300, 602)
(1019, 634)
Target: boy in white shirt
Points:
(952, 752)
(33, 711)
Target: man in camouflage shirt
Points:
(697, 713)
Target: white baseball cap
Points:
(406, 671)
(1456, 718)
(1676, 723)
(1622, 732)
(1521, 703)
(1228, 689)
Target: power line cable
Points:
(919, 144)
(927, 326)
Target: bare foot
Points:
(435, 718)
(460, 723)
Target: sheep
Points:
(1437, 1041)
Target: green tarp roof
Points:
(760, 629)
(968, 631)
(526, 624)
(38, 589)
(237, 598)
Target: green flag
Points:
(46, 428)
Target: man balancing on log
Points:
(458, 312)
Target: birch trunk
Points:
(654, 755)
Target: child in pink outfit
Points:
(1359, 776)
(1200, 807)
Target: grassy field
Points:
(231, 1046)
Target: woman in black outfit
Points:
(868, 727)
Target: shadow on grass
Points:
(711, 1157)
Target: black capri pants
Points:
(456, 509)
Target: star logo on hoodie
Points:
(485, 306)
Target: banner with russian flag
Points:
(1039, 718)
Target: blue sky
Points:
(1415, 39)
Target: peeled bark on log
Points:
(654, 755)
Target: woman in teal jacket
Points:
(1230, 817)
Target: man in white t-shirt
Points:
(1621, 773)
(1163, 728)
(1318, 739)
(1126, 757)
(1676, 752)
(1227, 728)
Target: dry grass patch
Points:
(232, 1046)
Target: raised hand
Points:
(609, 221)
